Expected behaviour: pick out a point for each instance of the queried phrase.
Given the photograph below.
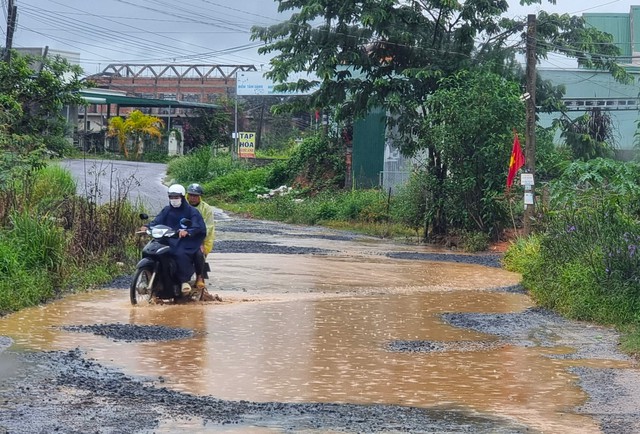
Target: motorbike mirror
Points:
(143, 216)
(185, 222)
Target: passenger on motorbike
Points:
(185, 248)
(194, 196)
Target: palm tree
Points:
(141, 126)
(137, 127)
(117, 129)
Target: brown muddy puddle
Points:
(315, 329)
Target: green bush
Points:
(51, 184)
(363, 205)
(236, 185)
(409, 206)
(278, 174)
(193, 166)
(41, 243)
(474, 241)
(585, 265)
(318, 163)
(22, 288)
(523, 255)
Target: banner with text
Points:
(254, 83)
(246, 145)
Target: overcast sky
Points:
(184, 31)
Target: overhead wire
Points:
(186, 16)
(169, 55)
(88, 31)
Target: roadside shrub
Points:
(21, 288)
(523, 255)
(236, 185)
(278, 174)
(324, 210)
(585, 266)
(279, 208)
(193, 166)
(41, 242)
(51, 185)
(364, 205)
(155, 157)
(409, 206)
(318, 163)
(474, 241)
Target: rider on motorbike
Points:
(185, 248)
(194, 196)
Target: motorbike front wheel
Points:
(140, 291)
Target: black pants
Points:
(200, 265)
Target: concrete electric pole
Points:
(12, 14)
(530, 143)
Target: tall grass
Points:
(200, 166)
(52, 183)
(54, 241)
(366, 206)
(586, 265)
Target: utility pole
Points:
(530, 143)
(12, 14)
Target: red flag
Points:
(517, 160)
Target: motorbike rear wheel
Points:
(140, 292)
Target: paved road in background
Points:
(104, 180)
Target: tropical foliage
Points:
(137, 127)
(589, 135)
(209, 128)
(33, 92)
(389, 54)
(417, 61)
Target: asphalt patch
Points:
(133, 332)
(489, 260)
(530, 327)
(239, 246)
(404, 346)
(140, 404)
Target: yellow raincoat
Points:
(206, 211)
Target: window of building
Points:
(191, 97)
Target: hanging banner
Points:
(246, 145)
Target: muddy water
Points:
(316, 329)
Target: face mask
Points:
(175, 202)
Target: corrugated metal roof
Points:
(129, 101)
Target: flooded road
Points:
(344, 324)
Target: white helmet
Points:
(176, 189)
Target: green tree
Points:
(588, 136)
(41, 88)
(396, 54)
(137, 127)
(373, 53)
(468, 131)
(210, 127)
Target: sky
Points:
(185, 31)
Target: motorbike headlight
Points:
(158, 232)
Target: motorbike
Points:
(155, 276)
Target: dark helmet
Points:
(195, 189)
